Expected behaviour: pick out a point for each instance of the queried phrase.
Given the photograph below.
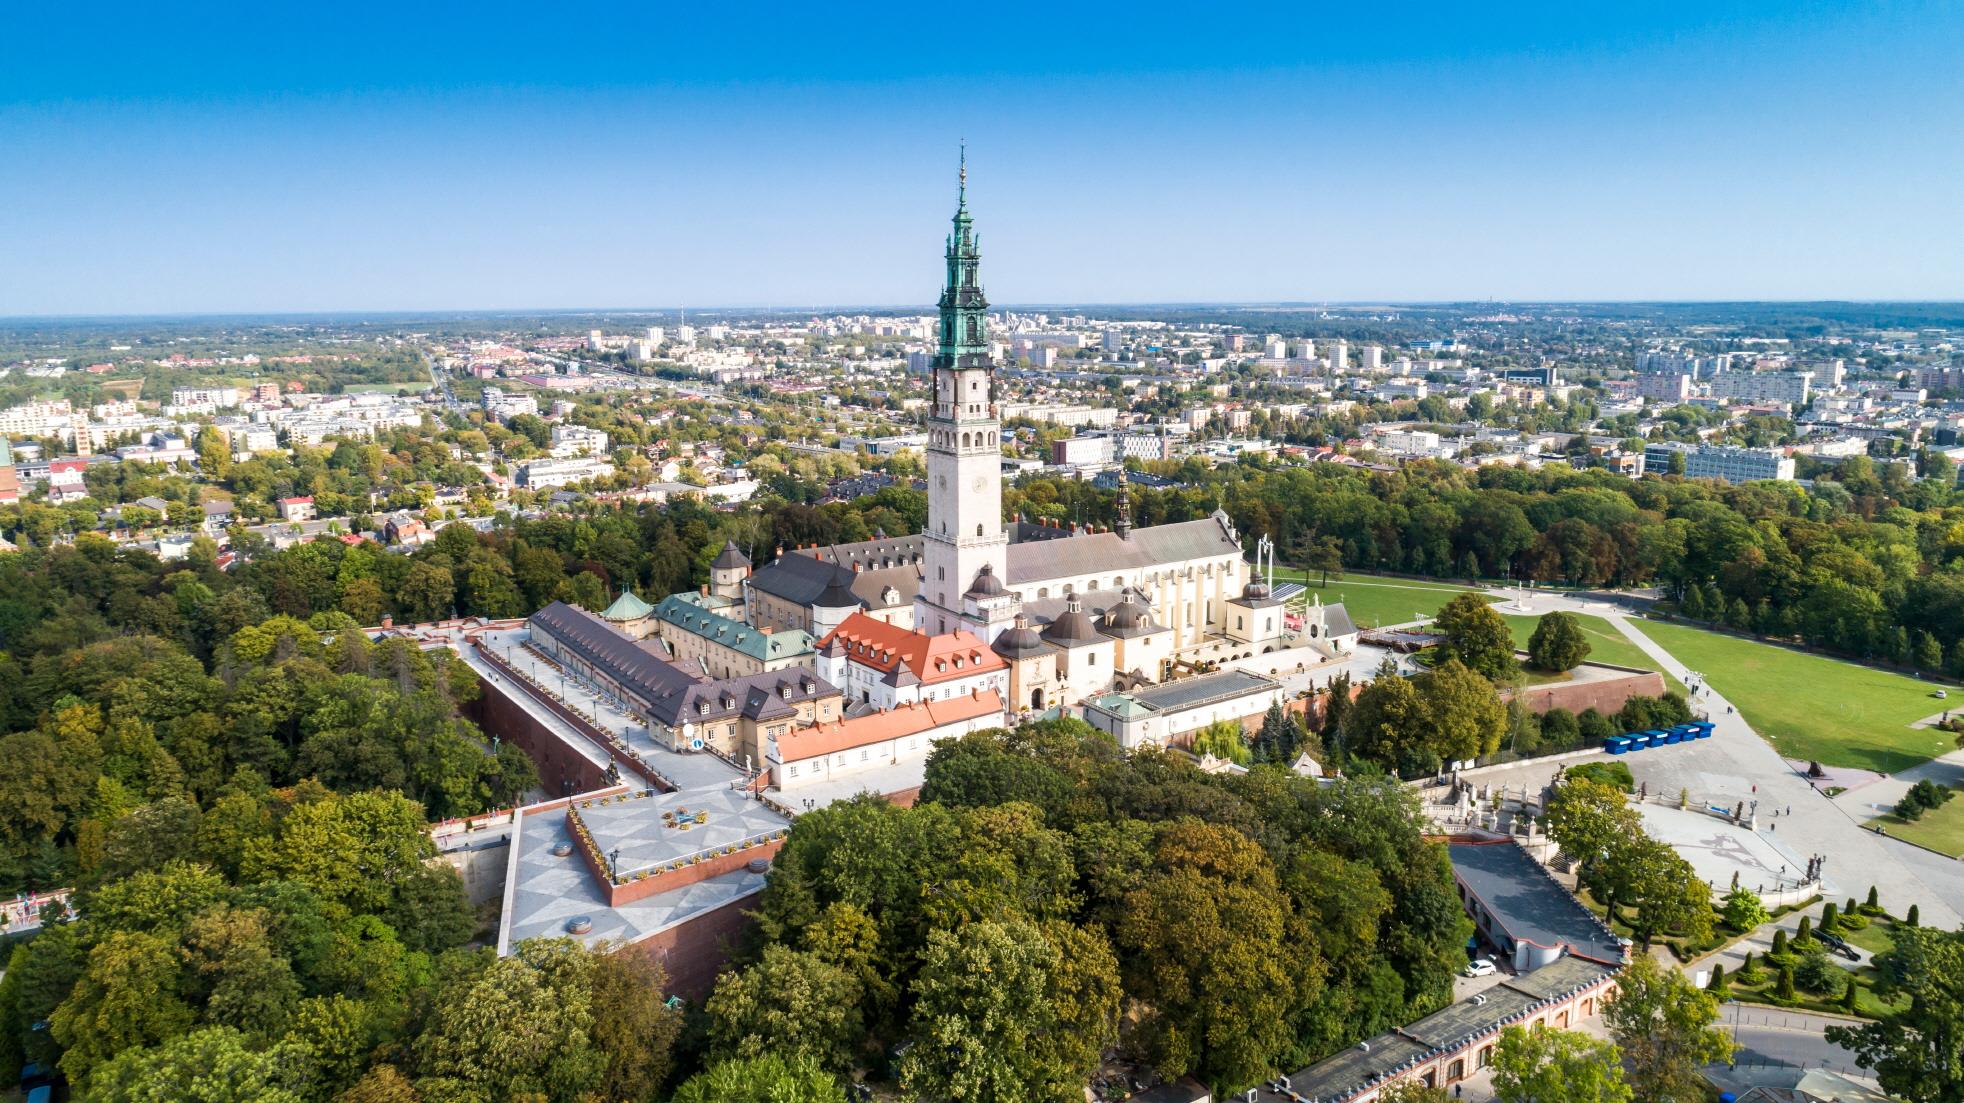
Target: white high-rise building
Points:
(1373, 358)
(1339, 357)
(1306, 349)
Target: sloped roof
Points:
(684, 615)
(904, 654)
(1337, 622)
(765, 696)
(628, 606)
(802, 575)
(1097, 552)
(1074, 628)
(730, 558)
(630, 662)
(878, 727)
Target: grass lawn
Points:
(1812, 708)
(1606, 645)
(1941, 829)
(1877, 938)
(1374, 601)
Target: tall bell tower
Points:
(964, 452)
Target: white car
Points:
(1481, 967)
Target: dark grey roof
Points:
(1074, 628)
(1020, 641)
(1337, 622)
(1527, 902)
(797, 577)
(1043, 610)
(800, 576)
(838, 592)
(1096, 552)
(1128, 618)
(674, 693)
(633, 665)
(1183, 693)
(730, 558)
(986, 583)
(756, 696)
(1345, 1074)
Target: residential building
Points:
(1790, 387)
(1712, 461)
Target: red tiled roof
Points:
(878, 727)
(872, 642)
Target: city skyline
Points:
(424, 165)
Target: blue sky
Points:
(358, 156)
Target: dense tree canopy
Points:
(1048, 889)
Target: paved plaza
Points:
(644, 832)
(1736, 764)
(546, 891)
(1720, 851)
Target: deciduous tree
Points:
(1666, 1029)
(1558, 644)
(1556, 1066)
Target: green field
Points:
(1940, 829)
(1374, 602)
(1812, 708)
(1606, 644)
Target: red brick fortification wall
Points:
(497, 714)
(1606, 695)
(695, 951)
(714, 866)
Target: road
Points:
(1737, 765)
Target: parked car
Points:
(1481, 967)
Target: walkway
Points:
(1736, 764)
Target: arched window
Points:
(964, 440)
(978, 530)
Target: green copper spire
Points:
(964, 312)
